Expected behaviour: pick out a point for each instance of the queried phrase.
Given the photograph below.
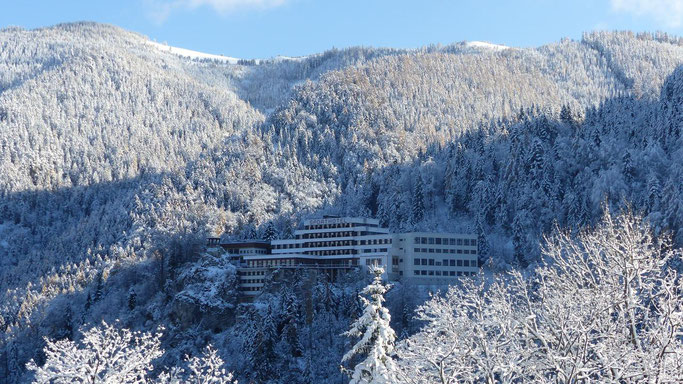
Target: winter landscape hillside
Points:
(119, 156)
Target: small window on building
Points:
(466, 263)
(416, 261)
(431, 273)
(452, 263)
(459, 263)
(458, 241)
(438, 240)
(431, 240)
(431, 261)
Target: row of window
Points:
(446, 263)
(439, 250)
(248, 251)
(443, 273)
(254, 273)
(369, 250)
(324, 235)
(252, 281)
(272, 263)
(445, 241)
(250, 289)
(375, 241)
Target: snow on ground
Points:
(193, 54)
(485, 45)
(188, 53)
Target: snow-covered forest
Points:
(117, 159)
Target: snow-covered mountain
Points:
(120, 155)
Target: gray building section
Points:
(336, 245)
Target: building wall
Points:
(335, 245)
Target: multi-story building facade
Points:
(337, 245)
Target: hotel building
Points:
(336, 245)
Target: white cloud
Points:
(159, 10)
(667, 12)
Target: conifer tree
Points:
(132, 299)
(376, 337)
(418, 201)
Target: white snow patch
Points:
(188, 53)
(485, 45)
(279, 58)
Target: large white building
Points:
(336, 245)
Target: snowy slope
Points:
(485, 45)
(193, 54)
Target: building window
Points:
(431, 273)
(459, 263)
(431, 240)
(438, 273)
(424, 262)
(416, 261)
(438, 240)
(458, 241)
(452, 273)
(416, 250)
(466, 242)
(431, 261)
(452, 263)
(431, 250)
(466, 263)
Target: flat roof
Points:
(246, 244)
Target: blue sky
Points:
(265, 28)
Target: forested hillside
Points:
(119, 158)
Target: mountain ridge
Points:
(117, 159)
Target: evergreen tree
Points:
(98, 287)
(627, 169)
(132, 299)
(482, 242)
(418, 201)
(262, 355)
(376, 338)
(289, 327)
(269, 234)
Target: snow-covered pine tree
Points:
(132, 299)
(418, 201)
(377, 338)
(269, 233)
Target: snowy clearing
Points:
(193, 54)
(485, 45)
